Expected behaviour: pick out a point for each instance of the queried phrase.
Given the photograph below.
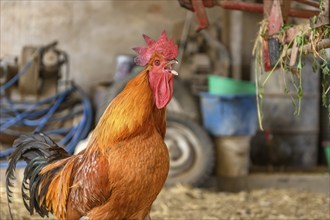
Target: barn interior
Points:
(248, 129)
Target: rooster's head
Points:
(158, 57)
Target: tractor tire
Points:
(191, 150)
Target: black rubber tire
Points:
(183, 100)
(199, 167)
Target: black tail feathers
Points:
(37, 150)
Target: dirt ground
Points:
(185, 203)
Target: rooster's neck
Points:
(131, 113)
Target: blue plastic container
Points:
(229, 115)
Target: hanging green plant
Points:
(307, 40)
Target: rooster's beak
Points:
(174, 61)
(169, 64)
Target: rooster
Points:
(126, 162)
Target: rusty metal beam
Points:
(309, 3)
(242, 6)
(259, 8)
(302, 13)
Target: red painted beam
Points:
(242, 6)
(258, 8)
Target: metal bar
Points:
(259, 8)
(299, 13)
(306, 2)
(250, 7)
(200, 13)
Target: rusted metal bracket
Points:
(200, 14)
(271, 50)
(276, 19)
(198, 7)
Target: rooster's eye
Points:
(157, 62)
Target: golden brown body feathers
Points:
(121, 172)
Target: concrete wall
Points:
(94, 32)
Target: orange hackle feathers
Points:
(128, 122)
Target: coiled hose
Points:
(45, 115)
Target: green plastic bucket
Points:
(219, 85)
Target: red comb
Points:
(163, 46)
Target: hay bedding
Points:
(182, 202)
